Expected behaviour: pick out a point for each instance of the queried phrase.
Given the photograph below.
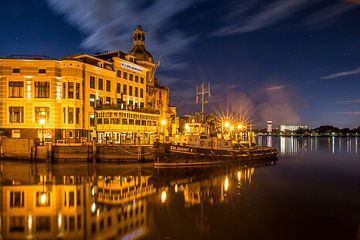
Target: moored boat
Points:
(197, 147)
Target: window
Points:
(92, 120)
(17, 224)
(77, 91)
(42, 113)
(71, 199)
(77, 116)
(16, 89)
(93, 227)
(108, 85)
(64, 90)
(70, 90)
(92, 82)
(108, 100)
(16, 199)
(136, 78)
(118, 73)
(16, 114)
(118, 88)
(92, 100)
(125, 75)
(100, 84)
(124, 89)
(16, 70)
(141, 80)
(78, 198)
(136, 92)
(141, 92)
(131, 77)
(79, 222)
(43, 224)
(70, 115)
(42, 89)
(130, 91)
(42, 199)
(64, 115)
(42, 71)
(72, 223)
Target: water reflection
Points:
(42, 201)
(295, 145)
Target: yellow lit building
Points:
(113, 94)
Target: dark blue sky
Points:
(291, 61)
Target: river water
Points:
(311, 192)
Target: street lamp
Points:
(42, 122)
(163, 124)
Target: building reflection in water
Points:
(294, 145)
(39, 201)
(36, 204)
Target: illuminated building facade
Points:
(291, 128)
(113, 94)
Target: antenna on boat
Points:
(202, 92)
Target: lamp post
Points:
(42, 122)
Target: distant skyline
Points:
(287, 61)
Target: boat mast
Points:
(203, 91)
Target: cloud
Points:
(349, 113)
(251, 15)
(350, 101)
(324, 16)
(108, 24)
(274, 88)
(266, 16)
(343, 74)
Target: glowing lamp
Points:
(43, 198)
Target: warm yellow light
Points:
(187, 127)
(226, 184)
(43, 198)
(239, 175)
(227, 124)
(231, 128)
(176, 188)
(42, 121)
(163, 122)
(163, 196)
(240, 126)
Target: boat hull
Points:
(169, 155)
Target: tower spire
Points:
(139, 37)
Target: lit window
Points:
(42, 89)
(16, 199)
(16, 114)
(16, 89)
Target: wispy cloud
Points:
(274, 88)
(265, 16)
(349, 113)
(325, 16)
(350, 101)
(108, 24)
(343, 74)
(251, 15)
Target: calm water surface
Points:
(311, 192)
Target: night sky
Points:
(290, 61)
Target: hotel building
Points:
(113, 94)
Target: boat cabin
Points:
(198, 135)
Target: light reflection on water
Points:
(301, 196)
(295, 145)
(104, 201)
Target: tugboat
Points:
(197, 147)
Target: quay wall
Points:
(29, 149)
